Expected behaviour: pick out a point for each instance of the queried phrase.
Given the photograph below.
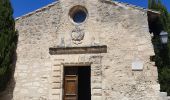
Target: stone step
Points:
(168, 97)
(164, 96)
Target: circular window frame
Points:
(76, 9)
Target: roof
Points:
(105, 1)
(38, 10)
(132, 6)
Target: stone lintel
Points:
(78, 50)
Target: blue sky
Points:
(22, 7)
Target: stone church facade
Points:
(102, 55)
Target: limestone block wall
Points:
(128, 38)
(33, 66)
(124, 29)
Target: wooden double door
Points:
(77, 83)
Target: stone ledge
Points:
(78, 50)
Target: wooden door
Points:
(70, 84)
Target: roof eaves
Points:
(38, 10)
(106, 1)
(131, 5)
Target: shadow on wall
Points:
(8, 93)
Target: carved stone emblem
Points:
(77, 35)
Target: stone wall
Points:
(122, 28)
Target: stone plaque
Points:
(137, 64)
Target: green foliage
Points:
(162, 57)
(168, 30)
(164, 79)
(8, 39)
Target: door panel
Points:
(71, 84)
(77, 83)
(70, 87)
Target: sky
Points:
(22, 7)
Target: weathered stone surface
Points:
(124, 29)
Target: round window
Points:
(78, 14)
